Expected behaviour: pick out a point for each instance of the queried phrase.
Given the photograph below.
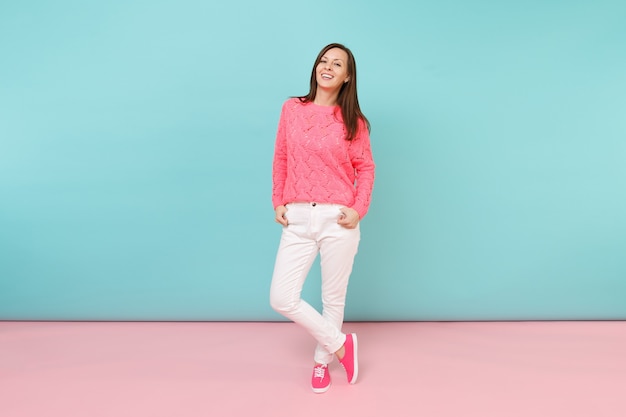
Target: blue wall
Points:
(136, 140)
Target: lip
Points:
(325, 74)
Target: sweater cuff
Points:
(361, 210)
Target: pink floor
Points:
(502, 369)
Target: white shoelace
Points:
(319, 371)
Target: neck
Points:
(325, 98)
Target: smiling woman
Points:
(322, 146)
(331, 73)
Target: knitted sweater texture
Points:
(313, 162)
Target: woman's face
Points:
(332, 70)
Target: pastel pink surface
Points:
(264, 369)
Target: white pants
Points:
(313, 228)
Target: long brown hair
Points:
(347, 100)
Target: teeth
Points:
(326, 77)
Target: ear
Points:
(346, 80)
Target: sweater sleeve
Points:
(279, 168)
(363, 163)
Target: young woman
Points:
(323, 175)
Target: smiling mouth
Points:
(327, 77)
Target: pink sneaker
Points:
(321, 379)
(350, 361)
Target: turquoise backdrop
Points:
(136, 141)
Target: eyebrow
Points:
(336, 59)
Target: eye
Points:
(337, 64)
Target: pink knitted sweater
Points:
(313, 162)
